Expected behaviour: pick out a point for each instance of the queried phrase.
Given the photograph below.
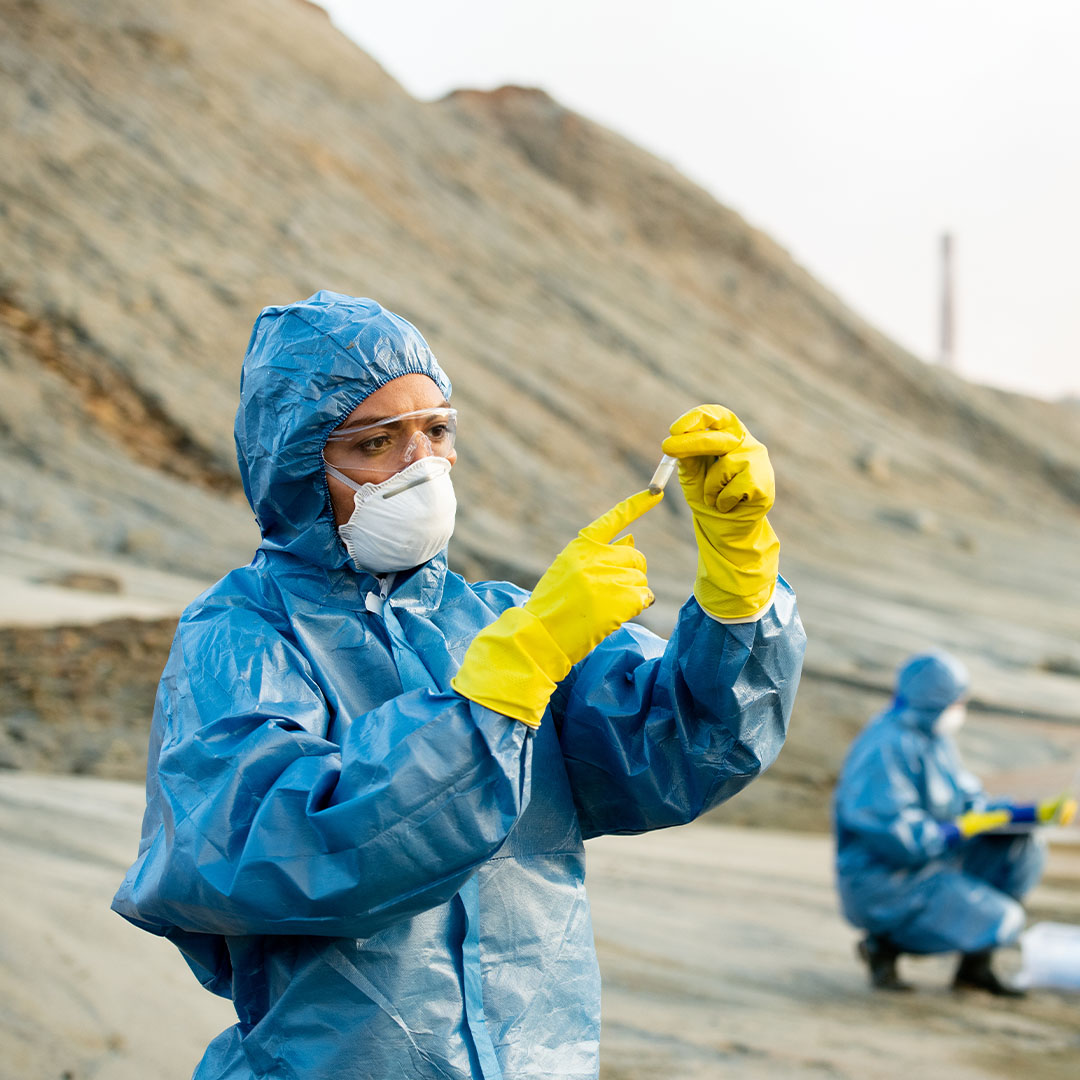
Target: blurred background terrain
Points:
(167, 171)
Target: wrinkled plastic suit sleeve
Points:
(259, 824)
(880, 802)
(654, 734)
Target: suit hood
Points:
(928, 684)
(307, 366)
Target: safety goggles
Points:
(380, 448)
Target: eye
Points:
(438, 432)
(374, 445)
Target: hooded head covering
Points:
(307, 366)
(929, 683)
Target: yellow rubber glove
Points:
(591, 589)
(979, 821)
(728, 482)
(1059, 811)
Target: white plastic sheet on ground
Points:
(1051, 956)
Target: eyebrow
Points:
(369, 421)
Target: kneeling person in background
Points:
(919, 865)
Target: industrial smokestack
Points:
(947, 356)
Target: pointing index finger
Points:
(606, 527)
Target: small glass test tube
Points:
(662, 474)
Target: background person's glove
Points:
(975, 822)
(1058, 811)
(590, 590)
(728, 482)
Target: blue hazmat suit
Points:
(386, 878)
(899, 870)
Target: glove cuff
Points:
(737, 569)
(725, 608)
(953, 836)
(512, 667)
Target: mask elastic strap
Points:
(337, 474)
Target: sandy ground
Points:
(723, 954)
(721, 949)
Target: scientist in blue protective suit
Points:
(919, 865)
(369, 780)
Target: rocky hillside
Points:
(166, 171)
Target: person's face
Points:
(952, 718)
(405, 394)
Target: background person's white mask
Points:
(951, 719)
(402, 522)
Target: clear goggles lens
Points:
(391, 444)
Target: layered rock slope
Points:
(166, 171)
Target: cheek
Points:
(341, 500)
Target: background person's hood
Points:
(928, 684)
(307, 366)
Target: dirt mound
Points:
(167, 171)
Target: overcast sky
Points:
(855, 132)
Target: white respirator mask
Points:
(951, 720)
(402, 522)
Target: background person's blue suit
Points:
(386, 878)
(903, 873)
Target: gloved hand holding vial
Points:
(728, 482)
